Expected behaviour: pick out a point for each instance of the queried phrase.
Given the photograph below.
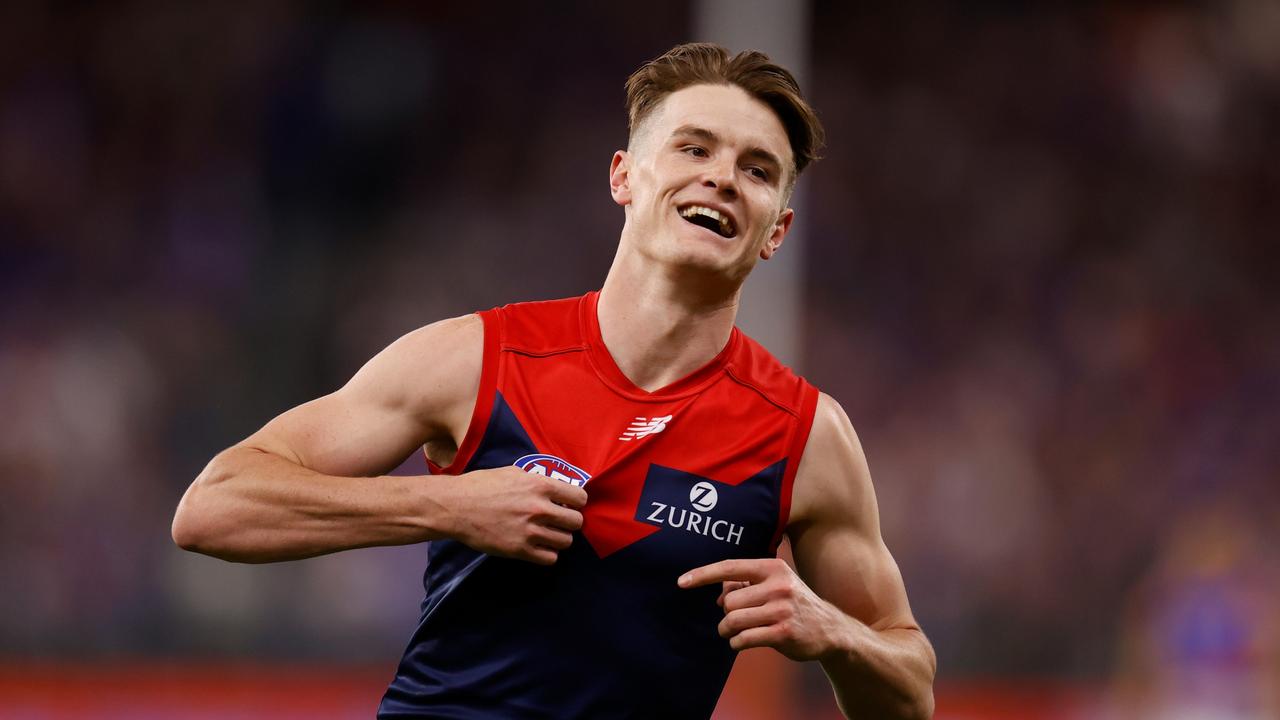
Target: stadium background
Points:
(1039, 273)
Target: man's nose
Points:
(722, 177)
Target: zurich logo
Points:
(553, 467)
(703, 496)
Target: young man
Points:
(612, 474)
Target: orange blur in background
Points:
(759, 689)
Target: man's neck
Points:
(660, 326)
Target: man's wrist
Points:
(845, 637)
(431, 514)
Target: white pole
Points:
(772, 299)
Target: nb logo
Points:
(703, 496)
(643, 427)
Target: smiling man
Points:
(612, 474)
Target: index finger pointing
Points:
(753, 570)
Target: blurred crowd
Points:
(1041, 278)
(1045, 282)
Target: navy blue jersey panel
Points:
(505, 439)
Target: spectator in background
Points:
(1201, 632)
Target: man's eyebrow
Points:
(698, 132)
(706, 135)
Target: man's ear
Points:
(619, 178)
(780, 228)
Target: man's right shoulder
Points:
(455, 337)
(460, 329)
(430, 368)
(454, 350)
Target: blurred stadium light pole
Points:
(771, 301)
(763, 683)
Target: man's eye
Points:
(696, 151)
(758, 172)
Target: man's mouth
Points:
(712, 220)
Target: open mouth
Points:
(713, 220)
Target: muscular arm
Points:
(879, 662)
(848, 607)
(311, 481)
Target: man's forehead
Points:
(727, 111)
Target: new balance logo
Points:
(643, 427)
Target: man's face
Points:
(704, 181)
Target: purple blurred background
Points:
(1041, 277)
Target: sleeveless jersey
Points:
(696, 472)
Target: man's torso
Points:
(693, 473)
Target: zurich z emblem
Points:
(553, 467)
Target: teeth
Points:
(726, 227)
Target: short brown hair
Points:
(710, 64)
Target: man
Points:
(612, 474)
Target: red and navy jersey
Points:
(696, 472)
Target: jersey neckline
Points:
(612, 375)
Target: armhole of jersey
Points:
(484, 397)
(795, 453)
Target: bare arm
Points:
(879, 661)
(848, 607)
(311, 481)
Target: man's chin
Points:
(698, 259)
(698, 253)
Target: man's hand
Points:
(509, 512)
(767, 605)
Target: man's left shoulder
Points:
(833, 470)
(753, 365)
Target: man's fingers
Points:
(729, 586)
(753, 570)
(567, 495)
(767, 636)
(741, 620)
(542, 556)
(558, 516)
(551, 537)
(747, 596)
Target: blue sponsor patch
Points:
(718, 520)
(553, 467)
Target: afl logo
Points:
(703, 496)
(552, 467)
